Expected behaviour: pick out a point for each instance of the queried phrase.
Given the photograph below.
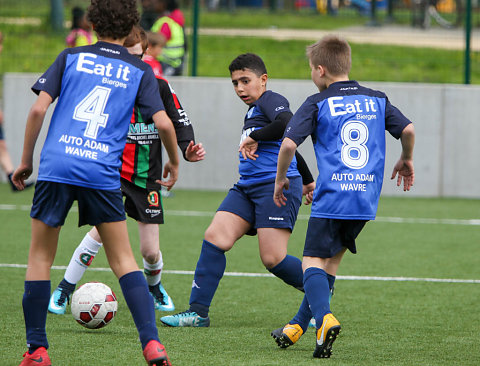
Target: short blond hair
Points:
(333, 53)
(156, 39)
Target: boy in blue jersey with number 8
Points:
(97, 87)
(347, 123)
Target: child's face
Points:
(317, 74)
(136, 50)
(154, 51)
(248, 86)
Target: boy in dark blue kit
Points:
(248, 207)
(347, 123)
(97, 87)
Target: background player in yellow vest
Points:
(170, 24)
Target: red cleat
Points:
(37, 358)
(155, 354)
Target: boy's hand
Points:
(248, 147)
(307, 191)
(172, 170)
(20, 175)
(278, 197)
(195, 152)
(405, 171)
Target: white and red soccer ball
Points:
(94, 305)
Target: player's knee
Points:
(219, 239)
(270, 260)
(151, 256)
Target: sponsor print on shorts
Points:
(154, 201)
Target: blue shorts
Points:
(1, 133)
(327, 237)
(255, 205)
(52, 201)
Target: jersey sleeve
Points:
(303, 122)
(51, 80)
(395, 121)
(148, 96)
(181, 123)
(272, 104)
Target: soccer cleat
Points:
(161, 300)
(288, 335)
(326, 335)
(155, 354)
(185, 319)
(58, 301)
(37, 358)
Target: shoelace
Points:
(159, 296)
(63, 297)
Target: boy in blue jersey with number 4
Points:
(347, 123)
(97, 87)
(248, 208)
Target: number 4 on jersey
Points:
(91, 110)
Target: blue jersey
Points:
(97, 87)
(347, 123)
(261, 113)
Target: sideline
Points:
(249, 274)
(393, 220)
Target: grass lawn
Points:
(385, 322)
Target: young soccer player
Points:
(248, 207)
(141, 163)
(156, 42)
(97, 87)
(347, 123)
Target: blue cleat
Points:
(58, 301)
(162, 301)
(185, 319)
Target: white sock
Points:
(153, 272)
(81, 259)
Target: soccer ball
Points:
(94, 305)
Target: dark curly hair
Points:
(249, 61)
(113, 18)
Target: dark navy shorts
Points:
(255, 205)
(1, 133)
(141, 204)
(52, 201)
(327, 237)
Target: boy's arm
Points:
(404, 166)
(285, 156)
(167, 134)
(183, 128)
(272, 132)
(32, 130)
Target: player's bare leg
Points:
(43, 248)
(117, 247)
(134, 287)
(153, 265)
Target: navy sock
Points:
(303, 316)
(331, 282)
(290, 271)
(67, 286)
(35, 305)
(317, 292)
(208, 273)
(135, 290)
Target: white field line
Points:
(393, 220)
(248, 274)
